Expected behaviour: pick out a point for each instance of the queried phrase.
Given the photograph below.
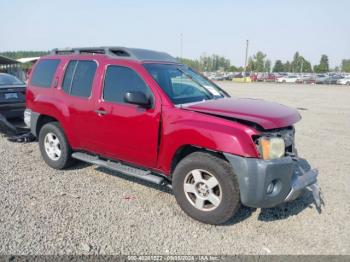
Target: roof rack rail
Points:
(119, 52)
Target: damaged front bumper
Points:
(267, 183)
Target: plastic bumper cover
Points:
(267, 183)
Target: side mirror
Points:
(137, 98)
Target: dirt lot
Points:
(89, 210)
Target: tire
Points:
(53, 133)
(227, 190)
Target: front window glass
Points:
(182, 84)
(120, 80)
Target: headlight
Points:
(271, 147)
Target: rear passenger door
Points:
(125, 131)
(76, 91)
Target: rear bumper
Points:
(12, 110)
(31, 120)
(267, 183)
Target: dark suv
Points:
(143, 114)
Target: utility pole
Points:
(301, 66)
(181, 45)
(246, 60)
(301, 70)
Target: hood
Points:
(268, 115)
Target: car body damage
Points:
(15, 133)
(268, 115)
(141, 113)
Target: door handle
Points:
(101, 112)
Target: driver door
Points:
(125, 131)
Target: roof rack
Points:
(119, 52)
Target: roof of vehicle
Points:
(137, 54)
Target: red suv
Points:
(141, 113)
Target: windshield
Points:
(9, 80)
(182, 84)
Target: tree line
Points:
(260, 63)
(23, 54)
(257, 63)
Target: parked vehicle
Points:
(217, 77)
(287, 79)
(267, 77)
(12, 96)
(306, 79)
(321, 78)
(141, 113)
(260, 77)
(272, 77)
(344, 81)
(332, 79)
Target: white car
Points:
(287, 79)
(344, 81)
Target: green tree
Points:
(192, 63)
(345, 65)
(323, 67)
(257, 63)
(267, 66)
(259, 60)
(278, 67)
(307, 68)
(208, 63)
(233, 69)
(300, 64)
(296, 65)
(287, 67)
(23, 54)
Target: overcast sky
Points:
(276, 27)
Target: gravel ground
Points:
(87, 210)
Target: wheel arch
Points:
(41, 121)
(188, 149)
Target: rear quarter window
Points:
(44, 72)
(78, 78)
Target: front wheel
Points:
(206, 188)
(54, 146)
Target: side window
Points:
(68, 76)
(44, 72)
(78, 78)
(120, 80)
